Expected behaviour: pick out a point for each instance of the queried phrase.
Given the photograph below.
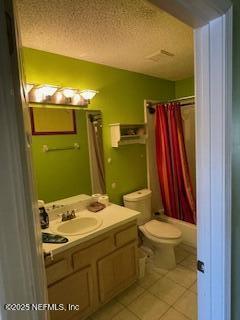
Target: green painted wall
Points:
(236, 165)
(120, 98)
(184, 88)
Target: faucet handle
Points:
(65, 216)
(73, 214)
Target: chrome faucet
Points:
(68, 215)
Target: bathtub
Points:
(189, 230)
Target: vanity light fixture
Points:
(88, 94)
(59, 96)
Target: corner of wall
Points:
(184, 87)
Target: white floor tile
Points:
(180, 254)
(187, 305)
(152, 267)
(167, 290)
(149, 279)
(125, 314)
(172, 314)
(130, 294)
(193, 288)
(108, 311)
(183, 276)
(190, 262)
(148, 307)
(189, 249)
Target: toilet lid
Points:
(162, 230)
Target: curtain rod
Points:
(183, 98)
(151, 106)
(174, 100)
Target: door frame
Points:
(213, 68)
(213, 147)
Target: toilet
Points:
(162, 237)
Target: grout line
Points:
(173, 306)
(147, 290)
(187, 256)
(104, 306)
(164, 313)
(193, 291)
(186, 290)
(190, 269)
(180, 297)
(125, 307)
(176, 299)
(182, 314)
(133, 299)
(133, 313)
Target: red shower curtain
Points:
(173, 170)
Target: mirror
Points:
(67, 149)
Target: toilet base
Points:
(164, 257)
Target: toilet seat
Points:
(162, 237)
(162, 230)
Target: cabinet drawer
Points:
(97, 250)
(57, 270)
(125, 236)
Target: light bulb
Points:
(76, 99)
(68, 92)
(58, 97)
(46, 91)
(88, 94)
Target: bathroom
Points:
(129, 88)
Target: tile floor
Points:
(160, 295)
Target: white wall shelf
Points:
(122, 134)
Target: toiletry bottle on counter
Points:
(44, 219)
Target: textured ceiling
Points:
(118, 33)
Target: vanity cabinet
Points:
(76, 289)
(92, 273)
(116, 272)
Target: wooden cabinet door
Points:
(74, 289)
(116, 271)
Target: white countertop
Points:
(112, 216)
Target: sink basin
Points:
(77, 226)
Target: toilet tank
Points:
(140, 201)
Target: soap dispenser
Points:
(44, 219)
